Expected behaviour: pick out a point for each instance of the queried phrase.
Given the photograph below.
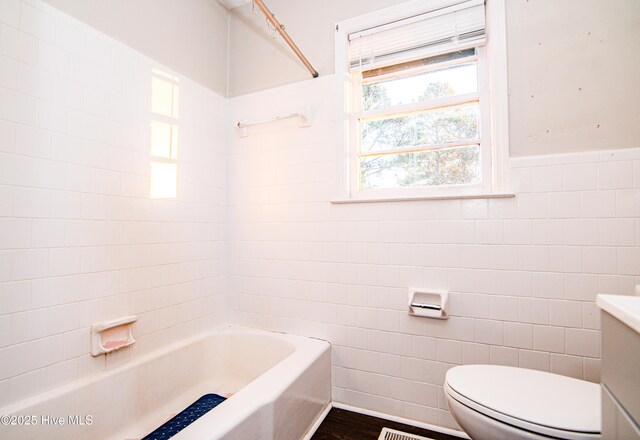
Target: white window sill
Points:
(341, 201)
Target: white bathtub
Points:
(281, 385)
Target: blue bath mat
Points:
(189, 415)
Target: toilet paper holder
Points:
(428, 303)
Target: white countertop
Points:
(624, 308)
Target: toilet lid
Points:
(533, 397)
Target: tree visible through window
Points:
(414, 132)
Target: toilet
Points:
(492, 402)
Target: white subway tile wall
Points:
(522, 272)
(80, 239)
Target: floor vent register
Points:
(392, 434)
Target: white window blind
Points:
(455, 27)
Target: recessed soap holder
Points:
(112, 335)
(428, 303)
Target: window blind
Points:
(455, 27)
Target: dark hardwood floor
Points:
(346, 425)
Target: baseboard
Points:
(318, 422)
(367, 412)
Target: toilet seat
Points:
(536, 401)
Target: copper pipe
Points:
(272, 19)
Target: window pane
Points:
(160, 139)
(164, 140)
(434, 127)
(447, 166)
(421, 87)
(162, 98)
(164, 180)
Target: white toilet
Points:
(492, 402)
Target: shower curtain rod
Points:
(272, 19)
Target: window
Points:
(422, 115)
(164, 135)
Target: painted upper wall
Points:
(573, 65)
(573, 72)
(190, 36)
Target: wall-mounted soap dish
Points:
(428, 303)
(112, 335)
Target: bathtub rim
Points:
(307, 351)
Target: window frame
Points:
(491, 93)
